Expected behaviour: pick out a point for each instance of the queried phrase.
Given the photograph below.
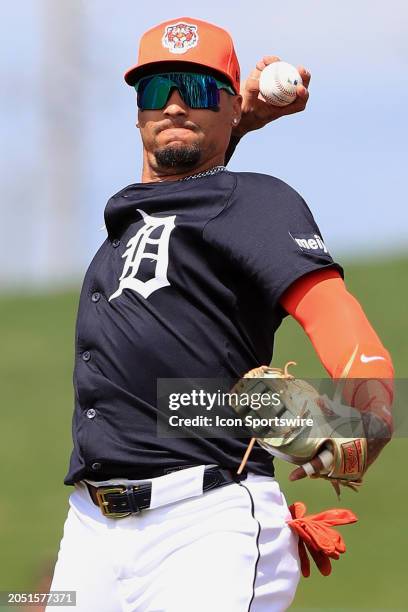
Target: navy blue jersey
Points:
(187, 284)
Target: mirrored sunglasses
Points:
(197, 90)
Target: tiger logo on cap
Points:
(180, 37)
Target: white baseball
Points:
(278, 83)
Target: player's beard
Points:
(178, 157)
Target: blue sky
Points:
(68, 120)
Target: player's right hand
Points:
(256, 112)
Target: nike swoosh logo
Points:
(366, 359)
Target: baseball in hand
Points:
(278, 82)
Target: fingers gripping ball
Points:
(278, 82)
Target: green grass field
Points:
(36, 360)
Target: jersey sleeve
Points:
(267, 230)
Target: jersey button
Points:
(96, 296)
(96, 466)
(115, 243)
(86, 356)
(91, 413)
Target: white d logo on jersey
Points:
(136, 251)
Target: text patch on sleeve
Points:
(310, 243)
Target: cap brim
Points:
(137, 72)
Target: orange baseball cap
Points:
(188, 41)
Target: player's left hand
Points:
(256, 112)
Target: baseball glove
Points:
(297, 423)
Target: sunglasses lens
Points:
(153, 92)
(197, 90)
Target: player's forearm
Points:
(346, 344)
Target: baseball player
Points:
(198, 270)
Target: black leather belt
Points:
(122, 500)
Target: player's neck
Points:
(152, 174)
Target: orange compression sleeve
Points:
(344, 340)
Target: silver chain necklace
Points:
(209, 172)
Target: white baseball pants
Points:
(228, 550)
